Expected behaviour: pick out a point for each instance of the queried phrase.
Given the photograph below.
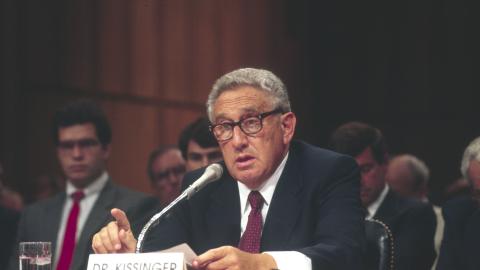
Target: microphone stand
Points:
(156, 218)
(214, 171)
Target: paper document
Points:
(183, 248)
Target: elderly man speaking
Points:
(282, 204)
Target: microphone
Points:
(212, 173)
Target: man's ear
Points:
(289, 121)
(106, 150)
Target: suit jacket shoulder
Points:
(459, 209)
(461, 235)
(8, 228)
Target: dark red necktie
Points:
(250, 241)
(70, 232)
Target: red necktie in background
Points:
(250, 241)
(70, 232)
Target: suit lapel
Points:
(285, 206)
(53, 212)
(223, 214)
(387, 211)
(97, 218)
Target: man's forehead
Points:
(77, 132)
(170, 158)
(204, 150)
(244, 100)
(239, 110)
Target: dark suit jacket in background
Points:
(41, 221)
(8, 229)
(315, 210)
(461, 238)
(413, 226)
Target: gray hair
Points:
(260, 79)
(418, 168)
(472, 152)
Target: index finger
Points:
(121, 218)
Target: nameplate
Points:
(134, 261)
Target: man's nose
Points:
(174, 178)
(205, 160)
(77, 151)
(363, 179)
(239, 138)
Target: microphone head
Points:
(212, 173)
(215, 169)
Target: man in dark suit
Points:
(68, 220)
(462, 218)
(296, 203)
(411, 222)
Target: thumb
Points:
(121, 218)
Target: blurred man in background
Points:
(462, 218)
(408, 176)
(412, 222)
(166, 168)
(198, 145)
(82, 136)
(168, 164)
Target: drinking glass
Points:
(35, 256)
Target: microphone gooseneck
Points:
(212, 173)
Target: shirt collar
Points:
(95, 187)
(267, 188)
(373, 207)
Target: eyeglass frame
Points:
(163, 175)
(83, 144)
(238, 123)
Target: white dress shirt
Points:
(285, 260)
(373, 207)
(86, 204)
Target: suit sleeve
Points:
(449, 254)
(173, 228)
(339, 235)
(414, 239)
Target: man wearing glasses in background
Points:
(280, 204)
(68, 220)
(197, 147)
(166, 168)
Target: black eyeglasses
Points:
(163, 175)
(250, 125)
(83, 144)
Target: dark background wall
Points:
(407, 67)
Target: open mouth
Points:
(244, 161)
